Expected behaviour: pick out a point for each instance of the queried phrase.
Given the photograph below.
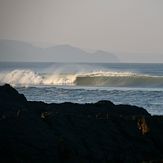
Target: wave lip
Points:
(98, 78)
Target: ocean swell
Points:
(99, 78)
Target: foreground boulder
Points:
(76, 133)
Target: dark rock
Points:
(105, 102)
(67, 132)
(9, 94)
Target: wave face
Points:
(121, 80)
(28, 77)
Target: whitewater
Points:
(135, 84)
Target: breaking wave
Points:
(29, 77)
(98, 78)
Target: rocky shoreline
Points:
(76, 133)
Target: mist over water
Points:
(136, 84)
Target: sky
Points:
(132, 29)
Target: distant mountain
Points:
(11, 50)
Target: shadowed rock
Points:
(68, 132)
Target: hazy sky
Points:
(130, 28)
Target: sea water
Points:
(121, 83)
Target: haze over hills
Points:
(11, 50)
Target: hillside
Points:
(11, 50)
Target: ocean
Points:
(121, 83)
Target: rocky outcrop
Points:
(74, 133)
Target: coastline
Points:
(70, 132)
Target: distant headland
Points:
(11, 50)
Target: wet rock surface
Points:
(76, 133)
